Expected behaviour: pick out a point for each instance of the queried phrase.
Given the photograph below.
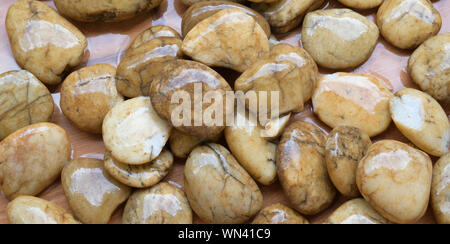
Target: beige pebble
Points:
(161, 204)
(408, 23)
(140, 176)
(24, 101)
(422, 120)
(302, 169)
(361, 4)
(33, 210)
(42, 41)
(134, 133)
(91, 192)
(396, 179)
(279, 214)
(429, 66)
(32, 158)
(440, 190)
(345, 147)
(230, 38)
(356, 211)
(88, 94)
(357, 100)
(218, 188)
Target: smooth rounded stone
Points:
(202, 10)
(285, 15)
(181, 143)
(134, 133)
(361, 4)
(24, 100)
(32, 158)
(395, 179)
(140, 176)
(345, 147)
(42, 41)
(301, 162)
(275, 127)
(271, 76)
(279, 214)
(88, 94)
(440, 190)
(309, 72)
(254, 152)
(230, 39)
(104, 10)
(191, 2)
(182, 89)
(356, 211)
(91, 192)
(339, 38)
(141, 65)
(429, 67)
(153, 32)
(218, 188)
(408, 23)
(33, 210)
(162, 204)
(357, 100)
(422, 120)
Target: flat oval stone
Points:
(91, 192)
(408, 23)
(141, 65)
(356, 211)
(32, 158)
(396, 180)
(301, 162)
(134, 133)
(339, 38)
(357, 100)
(429, 67)
(24, 100)
(345, 147)
(361, 4)
(218, 188)
(154, 32)
(230, 39)
(161, 204)
(140, 176)
(180, 85)
(422, 120)
(33, 210)
(42, 41)
(279, 214)
(88, 94)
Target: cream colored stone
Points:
(42, 41)
(429, 67)
(396, 180)
(356, 211)
(279, 214)
(422, 120)
(162, 204)
(24, 100)
(230, 38)
(134, 133)
(32, 158)
(339, 38)
(440, 190)
(345, 147)
(302, 169)
(361, 4)
(218, 188)
(33, 210)
(408, 23)
(357, 100)
(91, 192)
